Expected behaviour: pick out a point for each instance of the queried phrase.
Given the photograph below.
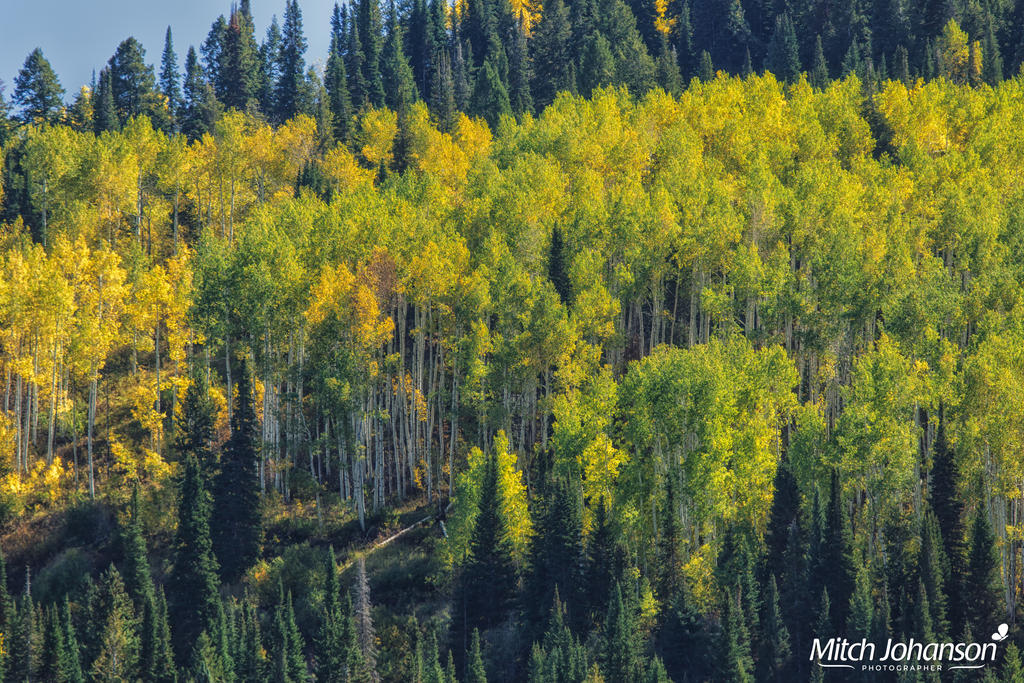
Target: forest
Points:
(558, 344)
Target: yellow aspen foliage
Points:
(375, 137)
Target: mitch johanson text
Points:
(842, 652)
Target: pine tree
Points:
(7, 606)
(69, 658)
(775, 650)
(784, 51)
(901, 72)
(819, 67)
(133, 84)
(37, 92)
(336, 82)
(200, 107)
(983, 585)
(6, 125)
(291, 83)
(705, 69)
(735, 660)
(460, 77)
(488, 575)
(861, 619)
(214, 51)
(370, 33)
(835, 559)
(334, 628)
(551, 58)
(1012, 670)
(605, 561)
(475, 672)
(557, 553)
(620, 649)
(270, 57)
(490, 97)
(442, 93)
(670, 553)
(932, 565)
(113, 617)
(597, 65)
(237, 529)
(240, 63)
(520, 71)
(170, 79)
(669, 77)
(946, 500)
(194, 597)
(52, 644)
(399, 83)
(20, 644)
(161, 661)
(195, 431)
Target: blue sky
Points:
(78, 36)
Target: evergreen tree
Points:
(369, 28)
(620, 653)
(270, 57)
(399, 83)
(775, 650)
(861, 619)
(1012, 670)
(334, 628)
(195, 431)
(819, 67)
(20, 643)
(557, 554)
(7, 606)
(5, 117)
(238, 526)
(240, 63)
(214, 52)
(442, 93)
(475, 672)
(901, 72)
(114, 619)
(835, 559)
(669, 77)
(670, 553)
(597, 65)
(685, 641)
(291, 64)
(983, 585)
(336, 82)
(488, 575)
(705, 69)
(460, 78)
(37, 92)
(105, 114)
(520, 71)
(52, 644)
(199, 108)
(194, 598)
(490, 97)
(946, 500)
(420, 47)
(559, 275)
(551, 58)
(932, 565)
(69, 660)
(735, 660)
(605, 561)
(784, 51)
(170, 79)
(133, 84)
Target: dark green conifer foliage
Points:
(551, 57)
(6, 125)
(520, 71)
(21, 648)
(336, 82)
(116, 636)
(238, 525)
(983, 584)
(784, 51)
(335, 625)
(475, 672)
(69, 659)
(419, 47)
(775, 649)
(240, 63)
(735, 660)
(605, 561)
(37, 91)
(291, 83)
(685, 641)
(399, 83)
(354, 65)
(835, 559)
(620, 649)
(597, 65)
(286, 659)
(670, 546)
(478, 26)
(669, 77)
(52, 644)
(1012, 669)
(460, 77)
(901, 70)
(170, 78)
(488, 575)
(133, 84)
(921, 626)
(705, 69)
(195, 431)
(194, 600)
(557, 553)
(932, 566)
(364, 631)
(558, 272)
(270, 53)
(442, 93)
(946, 500)
(7, 606)
(200, 108)
(137, 578)
(656, 672)
(861, 619)
(370, 32)
(214, 52)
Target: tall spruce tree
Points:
(336, 81)
(475, 671)
(194, 602)
(270, 54)
(199, 107)
(69, 657)
(550, 52)
(363, 622)
(835, 559)
(291, 83)
(240, 63)
(37, 91)
(397, 75)
(237, 528)
(621, 649)
(133, 84)
(195, 431)
(490, 97)
(520, 70)
(983, 585)
(369, 27)
(784, 51)
(775, 652)
(557, 552)
(170, 78)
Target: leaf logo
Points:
(1001, 633)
